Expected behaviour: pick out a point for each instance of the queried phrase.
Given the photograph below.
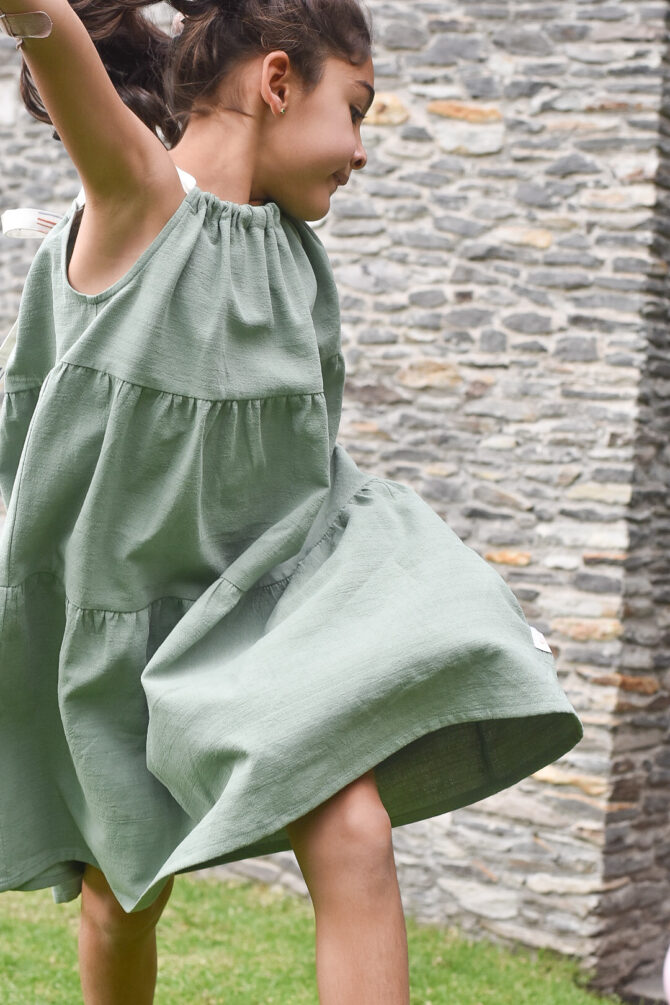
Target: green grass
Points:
(242, 943)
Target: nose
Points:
(360, 158)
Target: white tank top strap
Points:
(187, 180)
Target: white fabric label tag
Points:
(539, 640)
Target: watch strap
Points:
(33, 24)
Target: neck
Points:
(219, 151)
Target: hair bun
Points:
(196, 8)
(192, 8)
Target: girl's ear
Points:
(276, 80)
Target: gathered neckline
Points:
(269, 211)
(243, 212)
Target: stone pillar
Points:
(502, 268)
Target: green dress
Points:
(211, 619)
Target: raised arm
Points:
(114, 152)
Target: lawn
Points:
(243, 943)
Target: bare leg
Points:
(117, 951)
(345, 852)
(361, 945)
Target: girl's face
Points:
(316, 144)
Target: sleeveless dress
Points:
(211, 620)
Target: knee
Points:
(101, 909)
(350, 834)
(361, 828)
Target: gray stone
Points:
(489, 210)
(449, 24)
(460, 225)
(375, 276)
(405, 211)
(481, 513)
(560, 278)
(551, 68)
(610, 283)
(529, 323)
(425, 239)
(354, 208)
(610, 301)
(523, 87)
(385, 190)
(560, 257)
(633, 264)
(448, 49)
(374, 336)
(404, 35)
(348, 302)
(426, 179)
(489, 11)
(621, 475)
(416, 134)
(468, 274)
(430, 320)
(530, 345)
(491, 340)
(572, 164)
(481, 85)
(578, 349)
(427, 298)
(523, 41)
(540, 12)
(567, 31)
(603, 13)
(533, 194)
(594, 583)
(460, 341)
(468, 317)
(620, 359)
(358, 228)
(452, 165)
(480, 250)
(574, 241)
(538, 297)
(593, 323)
(389, 306)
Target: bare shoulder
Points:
(114, 231)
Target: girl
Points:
(220, 638)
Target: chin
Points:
(314, 210)
(311, 206)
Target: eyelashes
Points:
(356, 113)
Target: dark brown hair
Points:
(161, 77)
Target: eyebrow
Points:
(370, 89)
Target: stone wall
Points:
(501, 266)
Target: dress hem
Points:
(214, 853)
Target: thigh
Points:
(100, 906)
